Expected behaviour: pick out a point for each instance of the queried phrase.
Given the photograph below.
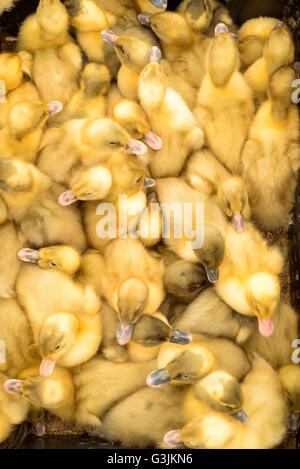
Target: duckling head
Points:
(86, 15)
(132, 299)
(223, 57)
(45, 392)
(212, 251)
(11, 70)
(185, 278)
(169, 27)
(233, 199)
(132, 51)
(280, 91)
(15, 176)
(64, 258)
(211, 431)
(57, 335)
(108, 136)
(222, 392)
(52, 18)
(186, 367)
(279, 48)
(95, 80)
(199, 14)
(132, 117)
(152, 82)
(154, 330)
(263, 295)
(27, 116)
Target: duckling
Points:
(204, 354)
(14, 410)
(265, 406)
(11, 240)
(132, 283)
(289, 376)
(224, 104)
(252, 37)
(55, 393)
(16, 334)
(100, 384)
(203, 240)
(22, 135)
(278, 52)
(85, 269)
(82, 143)
(31, 200)
(248, 276)
(207, 175)
(203, 16)
(209, 315)
(66, 323)
(184, 50)
(170, 118)
(45, 34)
(91, 100)
(273, 142)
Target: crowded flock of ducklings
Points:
(145, 339)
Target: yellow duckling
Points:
(252, 37)
(265, 406)
(204, 15)
(91, 100)
(85, 269)
(248, 276)
(56, 393)
(210, 315)
(207, 175)
(23, 133)
(45, 34)
(273, 142)
(82, 143)
(278, 52)
(30, 196)
(170, 118)
(66, 323)
(224, 104)
(184, 49)
(14, 410)
(203, 240)
(132, 283)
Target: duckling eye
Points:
(53, 264)
(139, 179)
(57, 347)
(113, 143)
(228, 407)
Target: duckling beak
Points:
(157, 378)
(212, 274)
(221, 28)
(172, 439)
(54, 107)
(145, 19)
(67, 198)
(238, 222)
(124, 332)
(109, 36)
(266, 327)
(279, 24)
(29, 255)
(149, 182)
(235, 36)
(13, 386)
(180, 337)
(152, 140)
(136, 147)
(47, 367)
(154, 55)
(240, 415)
(160, 3)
